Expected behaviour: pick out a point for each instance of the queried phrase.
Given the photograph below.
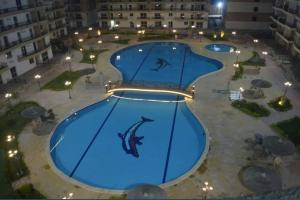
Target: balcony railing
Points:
(18, 8)
(20, 24)
(16, 43)
(27, 54)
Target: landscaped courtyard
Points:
(237, 131)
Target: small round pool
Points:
(220, 48)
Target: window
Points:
(31, 60)
(8, 54)
(170, 14)
(131, 14)
(255, 9)
(254, 18)
(186, 23)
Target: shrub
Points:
(238, 74)
(290, 129)
(281, 104)
(251, 108)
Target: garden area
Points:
(14, 168)
(281, 104)
(58, 83)
(255, 60)
(290, 129)
(251, 108)
(88, 52)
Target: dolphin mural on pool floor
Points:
(129, 138)
(162, 63)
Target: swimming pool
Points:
(222, 48)
(127, 140)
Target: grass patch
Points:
(87, 52)
(125, 41)
(58, 84)
(75, 44)
(290, 129)
(255, 60)
(156, 37)
(251, 108)
(12, 168)
(28, 192)
(238, 74)
(281, 104)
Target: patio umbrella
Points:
(146, 191)
(260, 83)
(278, 146)
(260, 178)
(33, 112)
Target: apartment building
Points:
(24, 37)
(153, 13)
(56, 18)
(286, 25)
(248, 14)
(80, 13)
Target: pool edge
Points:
(165, 185)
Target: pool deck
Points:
(227, 126)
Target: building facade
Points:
(248, 14)
(152, 14)
(56, 18)
(286, 25)
(24, 37)
(80, 13)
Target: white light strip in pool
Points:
(151, 90)
(57, 143)
(152, 100)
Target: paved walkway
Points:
(228, 127)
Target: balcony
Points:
(285, 39)
(33, 53)
(55, 8)
(3, 67)
(56, 17)
(57, 27)
(18, 8)
(22, 41)
(20, 24)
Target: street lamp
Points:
(116, 37)
(90, 28)
(37, 77)
(233, 33)
(10, 138)
(76, 33)
(8, 96)
(12, 153)
(206, 188)
(255, 40)
(80, 40)
(68, 61)
(237, 55)
(265, 53)
(242, 89)
(92, 57)
(68, 85)
(236, 65)
(98, 32)
(69, 196)
(287, 85)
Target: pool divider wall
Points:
(165, 185)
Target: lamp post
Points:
(10, 138)
(69, 196)
(206, 189)
(68, 61)
(233, 33)
(37, 77)
(8, 96)
(201, 33)
(116, 37)
(92, 57)
(237, 55)
(287, 85)
(265, 53)
(80, 40)
(68, 85)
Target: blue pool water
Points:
(220, 48)
(118, 143)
